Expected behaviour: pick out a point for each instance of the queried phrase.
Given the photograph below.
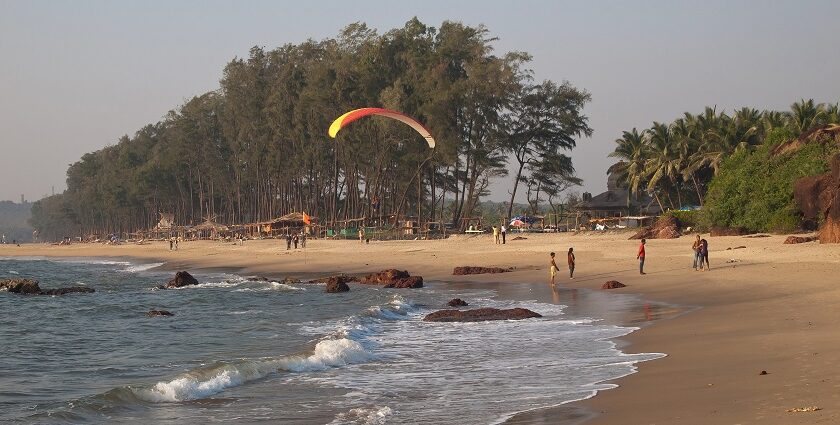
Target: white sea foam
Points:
(375, 415)
(272, 286)
(136, 268)
(13, 272)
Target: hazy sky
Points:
(77, 75)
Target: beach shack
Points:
(209, 229)
(292, 223)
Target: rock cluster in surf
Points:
(612, 284)
(393, 278)
(31, 287)
(465, 270)
(480, 315)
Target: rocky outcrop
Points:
(20, 286)
(31, 287)
(465, 270)
(337, 278)
(612, 284)
(336, 285)
(393, 278)
(290, 281)
(182, 279)
(799, 239)
(457, 302)
(69, 290)
(158, 313)
(480, 315)
(667, 227)
(729, 231)
(257, 279)
(818, 198)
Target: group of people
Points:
(296, 239)
(701, 258)
(173, 243)
(701, 254)
(570, 259)
(499, 235)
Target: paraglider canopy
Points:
(355, 114)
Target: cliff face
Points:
(818, 197)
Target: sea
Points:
(241, 351)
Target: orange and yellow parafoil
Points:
(355, 114)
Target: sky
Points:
(77, 75)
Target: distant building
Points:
(615, 202)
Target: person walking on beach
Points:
(171, 244)
(295, 240)
(288, 241)
(704, 254)
(362, 234)
(495, 235)
(176, 243)
(504, 232)
(303, 240)
(571, 259)
(641, 257)
(698, 257)
(553, 269)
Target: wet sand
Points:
(772, 309)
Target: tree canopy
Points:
(257, 147)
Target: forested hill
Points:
(14, 221)
(258, 147)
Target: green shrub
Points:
(687, 218)
(755, 190)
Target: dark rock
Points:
(457, 302)
(31, 287)
(384, 277)
(69, 290)
(290, 281)
(336, 285)
(799, 239)
(21, 286)
(519, 238)
(406, 282)
(729, 231)
(257, 279)
(343, 278)
(393, 278)
(465, 270)
(480, 315)
(763, 372)
(182, 279)
(158, 313)
(666, 227)
(757, 236)
(737, 247)
(612, 284)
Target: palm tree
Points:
(684, 132)
(805, 115)
(664, 162)
(631, 164)
(773, 119)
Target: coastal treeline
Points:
(724, 163)
(257, 147)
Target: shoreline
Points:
(770, 309)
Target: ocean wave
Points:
(204, 382)
(375, 415)
(13, 272)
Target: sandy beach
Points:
(765, 307)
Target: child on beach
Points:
(495, 235)
(641, 257)
(704, 254)
(553, 269)
(571, 259)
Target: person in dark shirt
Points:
(571, 259)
